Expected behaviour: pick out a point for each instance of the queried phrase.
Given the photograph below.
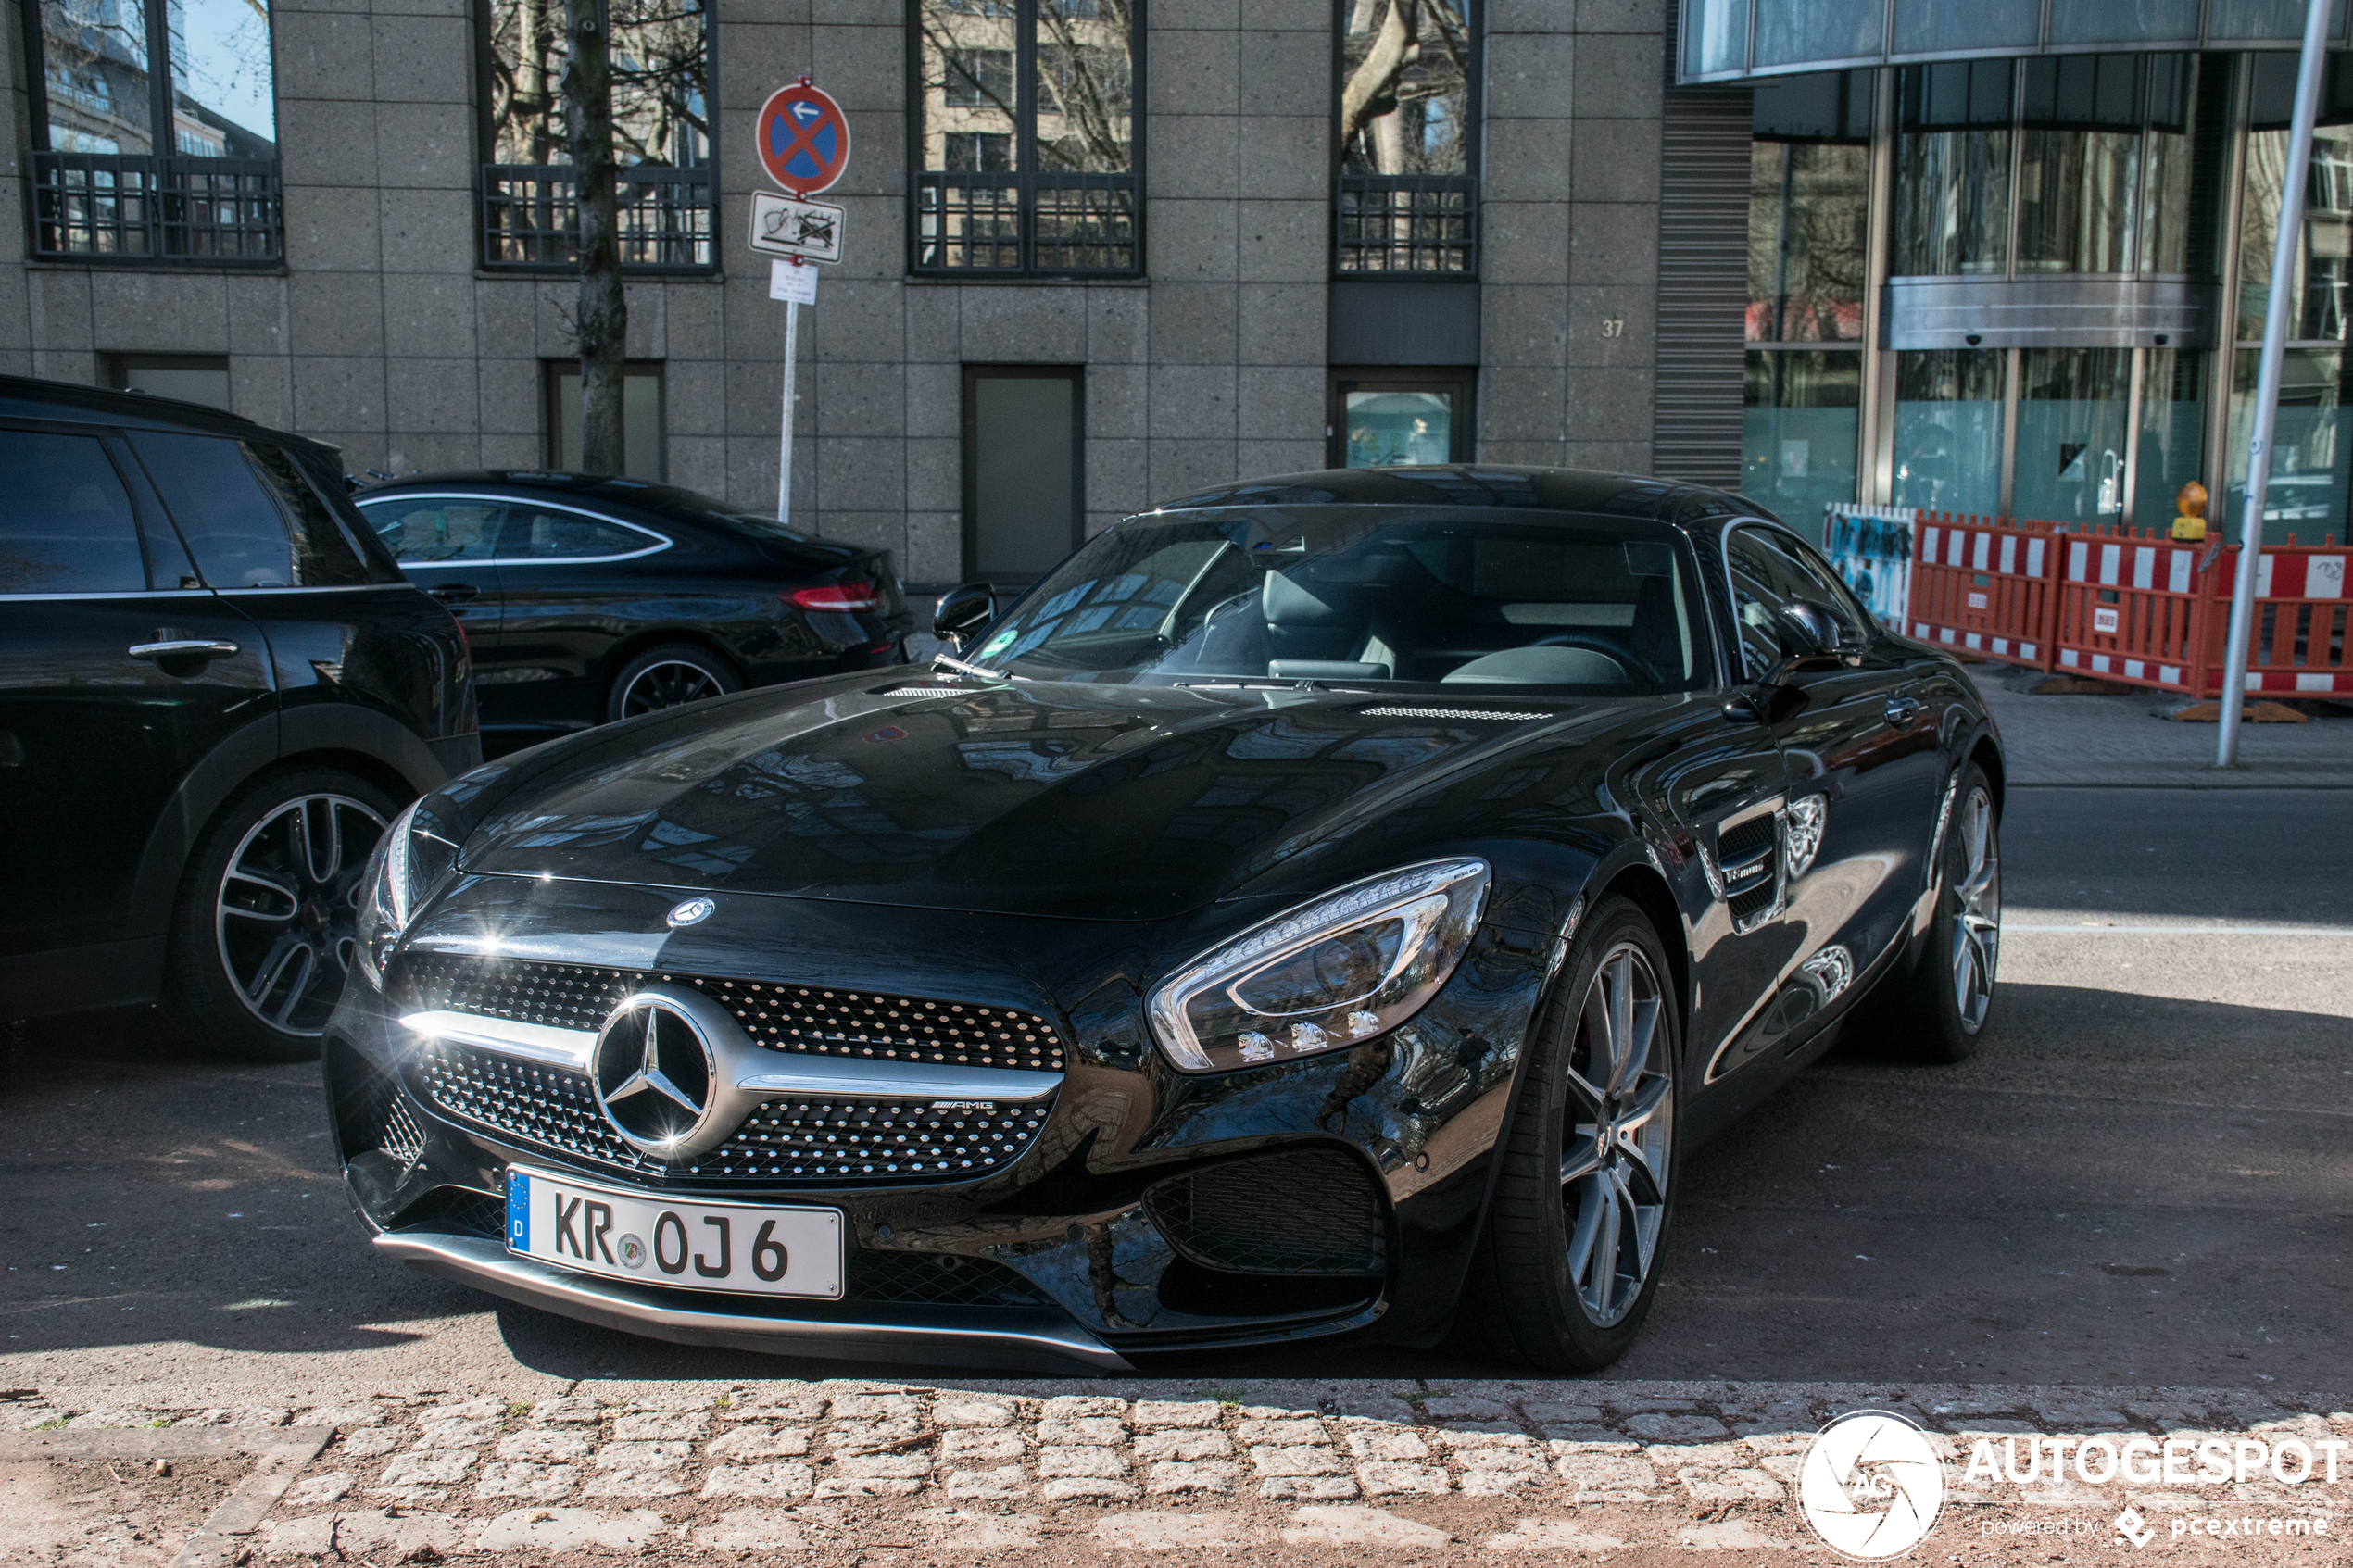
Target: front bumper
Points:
(1068, 1254)
(1042, 1339)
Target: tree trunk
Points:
(603, 316)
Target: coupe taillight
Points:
(838, 597)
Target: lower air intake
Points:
(1314, 1212)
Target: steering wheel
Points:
(1632, 663)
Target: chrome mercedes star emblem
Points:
(655, 1075)
(692, 911)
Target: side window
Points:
(66, 525)
(245, 531)
(1765, 578)
(431, 531)
(543, 533)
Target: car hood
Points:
(1052, 798)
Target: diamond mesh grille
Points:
(807, 1141)
(1755, 833)
(937, 1280)
(809, 1020)
(1311, 1212)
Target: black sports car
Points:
(1325, 905)
(589, 600)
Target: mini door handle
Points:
(455, 593)
(1902, 709)
(183, 648)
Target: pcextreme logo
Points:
(1870, 1485)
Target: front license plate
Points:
(753, 1250)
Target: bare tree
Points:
(602, 318)
(1413, 50)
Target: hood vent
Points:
(1499, 715)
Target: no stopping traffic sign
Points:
(803, 139)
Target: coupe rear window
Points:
(1366, 596)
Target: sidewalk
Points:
(1005, 1472)
(2119, 741)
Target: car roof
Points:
(1482, 485)
(30, 397)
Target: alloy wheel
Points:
(288, 906)
(1977, 912)
(1616, 1146)
(667, 684)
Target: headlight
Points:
(409, 860)
(1323, 976)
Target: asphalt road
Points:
(2144, 1177)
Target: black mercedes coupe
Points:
(1328, 906)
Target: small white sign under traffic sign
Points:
(780, 226)
(793, 283)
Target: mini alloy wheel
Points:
(287, 906)
(1616, 1147)
(667, 684)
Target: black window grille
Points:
(530, 217)
(132, 208)
(1025, 139)
(1419, 223)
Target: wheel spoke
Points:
(1644, 1226)
(1605, 1266)
(270, 887)
(1590, 1197)
(1582, 1155)
(1619, 982)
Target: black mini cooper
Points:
(1331, 905)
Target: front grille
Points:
(792, 1141)
(1314, 1212)
(372, 1112)
(936, 1279)
(806, 1019)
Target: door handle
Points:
(183, 648)
(455, 593)
(1902, 710)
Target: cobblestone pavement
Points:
(1422, 1472)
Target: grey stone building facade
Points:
(382, 329)
(1581, 231)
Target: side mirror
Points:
(963, 611)
(1810, 631)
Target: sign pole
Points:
(2267, 379)
(784, 466)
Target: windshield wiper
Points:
(961, 668)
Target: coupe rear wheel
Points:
(665, 677)
(262, 935)
(1568, 1268)
(1940, 1012)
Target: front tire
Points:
(1568, 1265)
(262, 933)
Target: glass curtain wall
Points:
(2099, 165)
(1808, 261)
(2312, 441)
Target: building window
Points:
(1408, 135)
(662, 70)
(2311, 484)
(1380, 418)
(190, 378)
(156, 132)
(1810, 201)
(641, 418)
(1025, 468)
(1025, 146)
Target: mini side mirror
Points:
(962, 612)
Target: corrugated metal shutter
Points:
(1703, 284)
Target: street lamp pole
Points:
(2267, 379)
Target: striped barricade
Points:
(2135, 611)
(1985, 586)
(2301, 621)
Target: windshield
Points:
(1365, 596)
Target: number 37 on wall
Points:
(1613, 326)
